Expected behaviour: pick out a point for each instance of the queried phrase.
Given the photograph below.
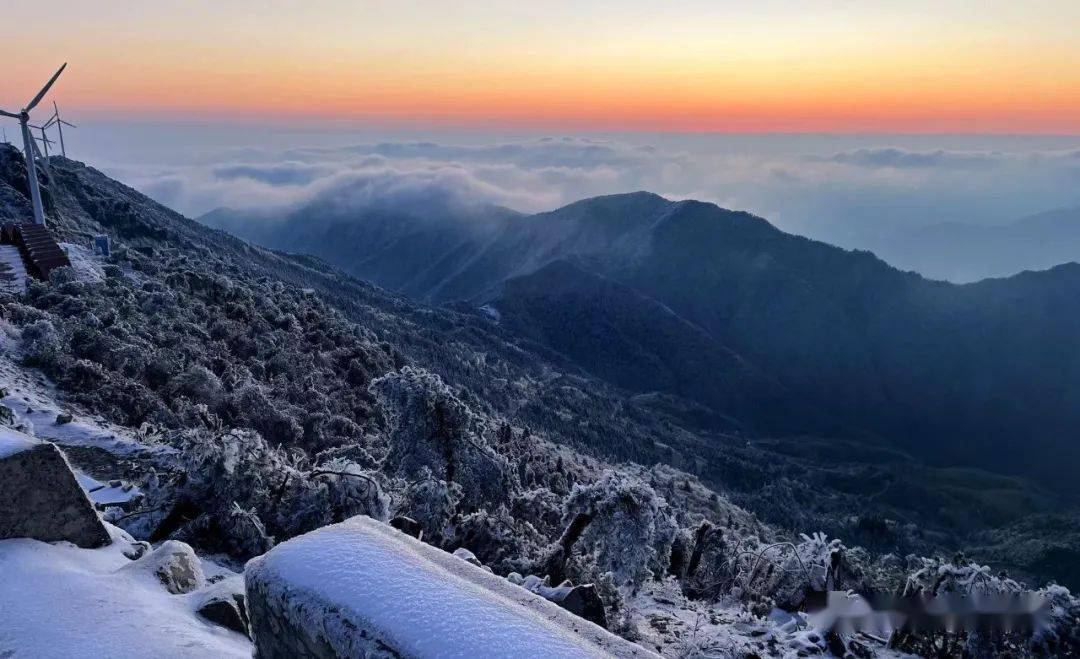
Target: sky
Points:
(970, 66)
(848, 121)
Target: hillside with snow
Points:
(235, 401)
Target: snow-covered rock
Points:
(583, 601)
(362, 588)
(174, 565)
(40, 497)
(467, 556)
(224, 603)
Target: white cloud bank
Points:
(829, 188)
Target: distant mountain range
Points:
(770, 332)
(969, 252)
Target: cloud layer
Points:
(851, 195)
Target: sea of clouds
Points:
(857, 192)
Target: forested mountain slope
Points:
(983, 374)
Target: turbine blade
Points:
(8, 114)
(68, 124)
(45, 89)
(49, 123)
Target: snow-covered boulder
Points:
(582, 601)
(40, 497)
(224, 603)
(174, 565)
(362, 588)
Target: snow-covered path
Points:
(36, 403)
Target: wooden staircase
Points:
(40, 252)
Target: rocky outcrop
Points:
(362, 588)
(40, 498)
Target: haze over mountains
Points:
(770, 332)
(856, 191)
(956, 251)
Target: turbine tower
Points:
(44, 139)
(29, 146)
(59, 123)
(45, 142)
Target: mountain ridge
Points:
(869, 347)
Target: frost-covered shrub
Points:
(626, 529)
(1059, 634)
(431, 428)
(198, 383)
(41, 344)
(785, 573)
(62, 275)
(263, 356)
(330, 493)
(430, 501)
(539, 505)
(493, 537)
(235, 493)
(251, 407)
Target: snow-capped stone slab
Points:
(39, 496)
(362, 588)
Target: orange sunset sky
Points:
(825, 65)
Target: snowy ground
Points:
(57, 600)
(674, 625)
(86, 264)
(13, 441)
(113, 492)
(36, 404)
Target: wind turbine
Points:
(45, 142)
(44, 139)
(59, 123)
(29, 147)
